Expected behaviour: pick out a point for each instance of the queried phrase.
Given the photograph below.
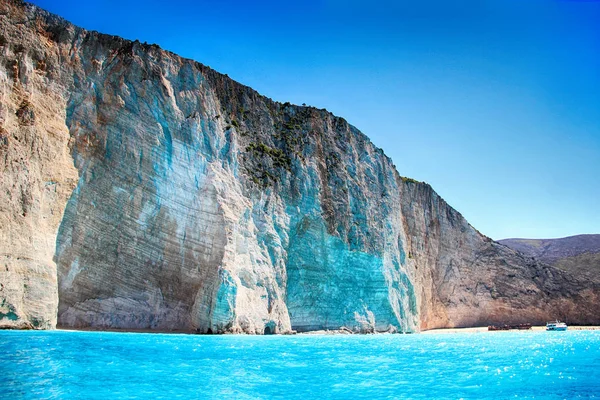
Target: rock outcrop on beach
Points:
(141, 190)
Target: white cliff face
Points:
(36, 175)
(159, 218)
(202, 206)
(215, 208)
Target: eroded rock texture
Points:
(196, 204)
(36, 171)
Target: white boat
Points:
(556, 326)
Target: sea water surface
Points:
(104, 365)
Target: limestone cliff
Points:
(152, 192)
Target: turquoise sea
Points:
(104, 365)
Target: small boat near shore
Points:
(556, 326)
(520, 327)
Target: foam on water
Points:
(64, 364)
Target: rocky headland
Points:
(142, 190)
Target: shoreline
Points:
(341, 332)
(480, 329)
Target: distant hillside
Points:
(579, 254)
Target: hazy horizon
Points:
(493, 103)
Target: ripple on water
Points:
(63, 364)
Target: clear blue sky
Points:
(496, 104)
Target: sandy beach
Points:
(485, 329)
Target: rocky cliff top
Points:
(234, 94)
